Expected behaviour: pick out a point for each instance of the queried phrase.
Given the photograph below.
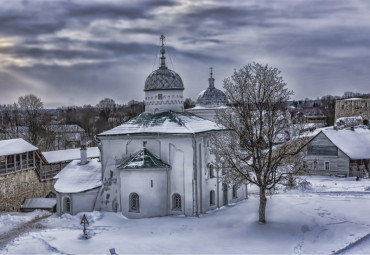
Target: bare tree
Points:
(327, 107)
(255, 149)
(31, 107)
(106, 106)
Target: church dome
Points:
(211, 97)
(163, 79)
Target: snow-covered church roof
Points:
(164, 123)
(76, 178)
(355, 144)
(142, 159)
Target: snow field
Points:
(325, 218)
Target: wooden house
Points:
(338, 152)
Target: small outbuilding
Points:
(41, 203)
(77, 186)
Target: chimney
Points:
(83, 151)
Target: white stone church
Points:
(156, 164)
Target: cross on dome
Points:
(163, 51)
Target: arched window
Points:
(211, 171)
(235, 192)
(67, 205)
(212, 197)
(176, 202)
(134, 202)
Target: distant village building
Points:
(155, 164)
(353, 107)
(209, 101)
(338, 152)
(67, 136)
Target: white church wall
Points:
(151, 186)
(164, 100)
(177, 174)
(79, 202)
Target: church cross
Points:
(162, 40)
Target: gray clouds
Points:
(106, 48)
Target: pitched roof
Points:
(164, 123)
(39, 203)
(142, 159)
(15, 146)
(69, 155)
(75, 178)
(355, 144)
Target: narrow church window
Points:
(235, 192)
(327, 165)
(212, 197)
(134, 202)
(67, 205)
(176, 202)
(160, 96)
(211, 171)
(151, 183)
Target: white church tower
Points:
(163, 89)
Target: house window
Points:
(322, 150)
(235, 192)
(67, 205)
(134, 202)
(176, 202)
(212, 197)
(315, 165)
(327, 165)
(211, 171)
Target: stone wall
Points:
(15, 187)
(353, 107)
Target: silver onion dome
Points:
(211, 97)
(163, 78)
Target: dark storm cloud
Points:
(74, 45)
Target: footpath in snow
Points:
(329, 216)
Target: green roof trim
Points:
(142, 159)
(149, 119)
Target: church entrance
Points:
(224, 189)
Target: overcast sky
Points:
(78, 52)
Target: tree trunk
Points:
(262, 208)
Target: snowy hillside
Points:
(329, 215)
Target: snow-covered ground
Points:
(12, 220)
(331, 214)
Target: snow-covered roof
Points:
(39, 203)
(355, 144)
(165, 123)
(15, 146)
(142, 159)
(68, 155)
(202, 107)
(354, 99)
(76, 178)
